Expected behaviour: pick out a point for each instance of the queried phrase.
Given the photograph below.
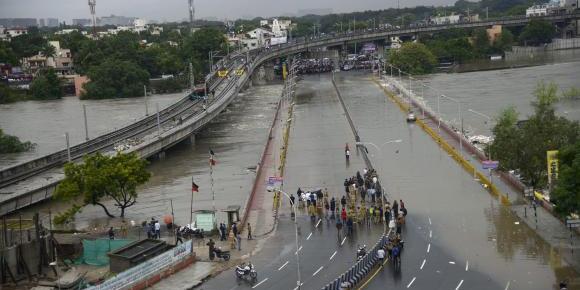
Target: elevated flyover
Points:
(33, 181)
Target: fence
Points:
(360, 270)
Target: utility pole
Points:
(67, 146)
(191, 14)
(92, 4)
(146, 105)
(158, 123)
(191, 77)
(86, 124)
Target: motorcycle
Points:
(361, 252)
(188, 232)
(246, 272)
(222, 254)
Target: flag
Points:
(212, 160)
(194, 187)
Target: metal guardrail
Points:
(359, 271)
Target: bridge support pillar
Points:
(161, 155)
(192, 139)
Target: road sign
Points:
(489, 164)
(573, 223)
(275, 181)
(222, 73)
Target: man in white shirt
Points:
(381, 255)
(157, 230)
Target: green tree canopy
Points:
(115, 79)
(537, 32)
(566, 194)
(11, 144)
(102, 177)
(46, 85)
(414, 58)
(28, 44)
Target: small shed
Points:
(135, 253)
(233, 212)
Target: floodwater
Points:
(463, 233)
(488, 92)
(46, 122)
(237, 137)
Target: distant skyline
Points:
(176, 10)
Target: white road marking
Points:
(319, 269)
(260, 283)
(459, 285)
(507, 286)
(423, 264)
(318, 223)
(343, 241)
(308, 238)
(429, 220)
(411, 283)
(430, 233)
(428, 248)
(281, 267)
(298, 250)
(466, 266)
(297, 286)
(451, 262)
(333, 254)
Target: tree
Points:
(506, 134)
(29, 44)
(46, 86)
(537, 32)
(566, 194)
(7, 55)
(413, 58)
(11, 144)
(481, 42)
(100, 177)
(115, 78)
(504, 42)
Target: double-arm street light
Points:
(293, 204)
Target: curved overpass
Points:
(19, 184)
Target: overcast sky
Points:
(171, 10)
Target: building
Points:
(542, 9)
(18, 22)
(139, 24)
(263, 22)
(451, 19)
(81, 22)
(61, 61)
(13, 32)
(115, 20)
(66, 31)
(156, 30)
(52, 22)
(41, 22)
(493, 33)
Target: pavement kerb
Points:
(468, 166)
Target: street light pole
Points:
(460, 119)
(86, 124)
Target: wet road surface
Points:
(462, 232)
(315, 160)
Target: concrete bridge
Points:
(34, 181)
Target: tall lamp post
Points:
(489, 121)
(271, 189)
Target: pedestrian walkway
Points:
(550, 228)
(187, 278)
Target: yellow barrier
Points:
(285, 139)
(491, 188)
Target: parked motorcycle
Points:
(361, 252)
(246, 272)
(221, 254)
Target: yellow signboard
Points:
(222, 73)
(284, 71)
(240, 71)
(552, 157)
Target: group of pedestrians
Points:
(153, 229)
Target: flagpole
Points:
(191, 204)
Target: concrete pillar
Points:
(192, 139)
(161, 155)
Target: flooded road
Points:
(464, 234)
(237, 137)
(45, 122)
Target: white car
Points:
(411, 117)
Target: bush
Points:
(11, 144)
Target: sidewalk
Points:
(547, 226)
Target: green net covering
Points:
(95, 251)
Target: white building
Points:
(264, 22)
(140, 24)
(13, 32)
(451, 19)
(541, 10)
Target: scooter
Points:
(222, 254)
(246, 272)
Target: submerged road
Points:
(457, 235)
(315, 160)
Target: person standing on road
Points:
(239, 240)
(332, 205)
(111, 234)
(292, 200)
(343, 215)
(157, 230)
(338, 227)
(343, 201)
(249, 231)
(381, 256)
(211, 245)
(235, 229)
